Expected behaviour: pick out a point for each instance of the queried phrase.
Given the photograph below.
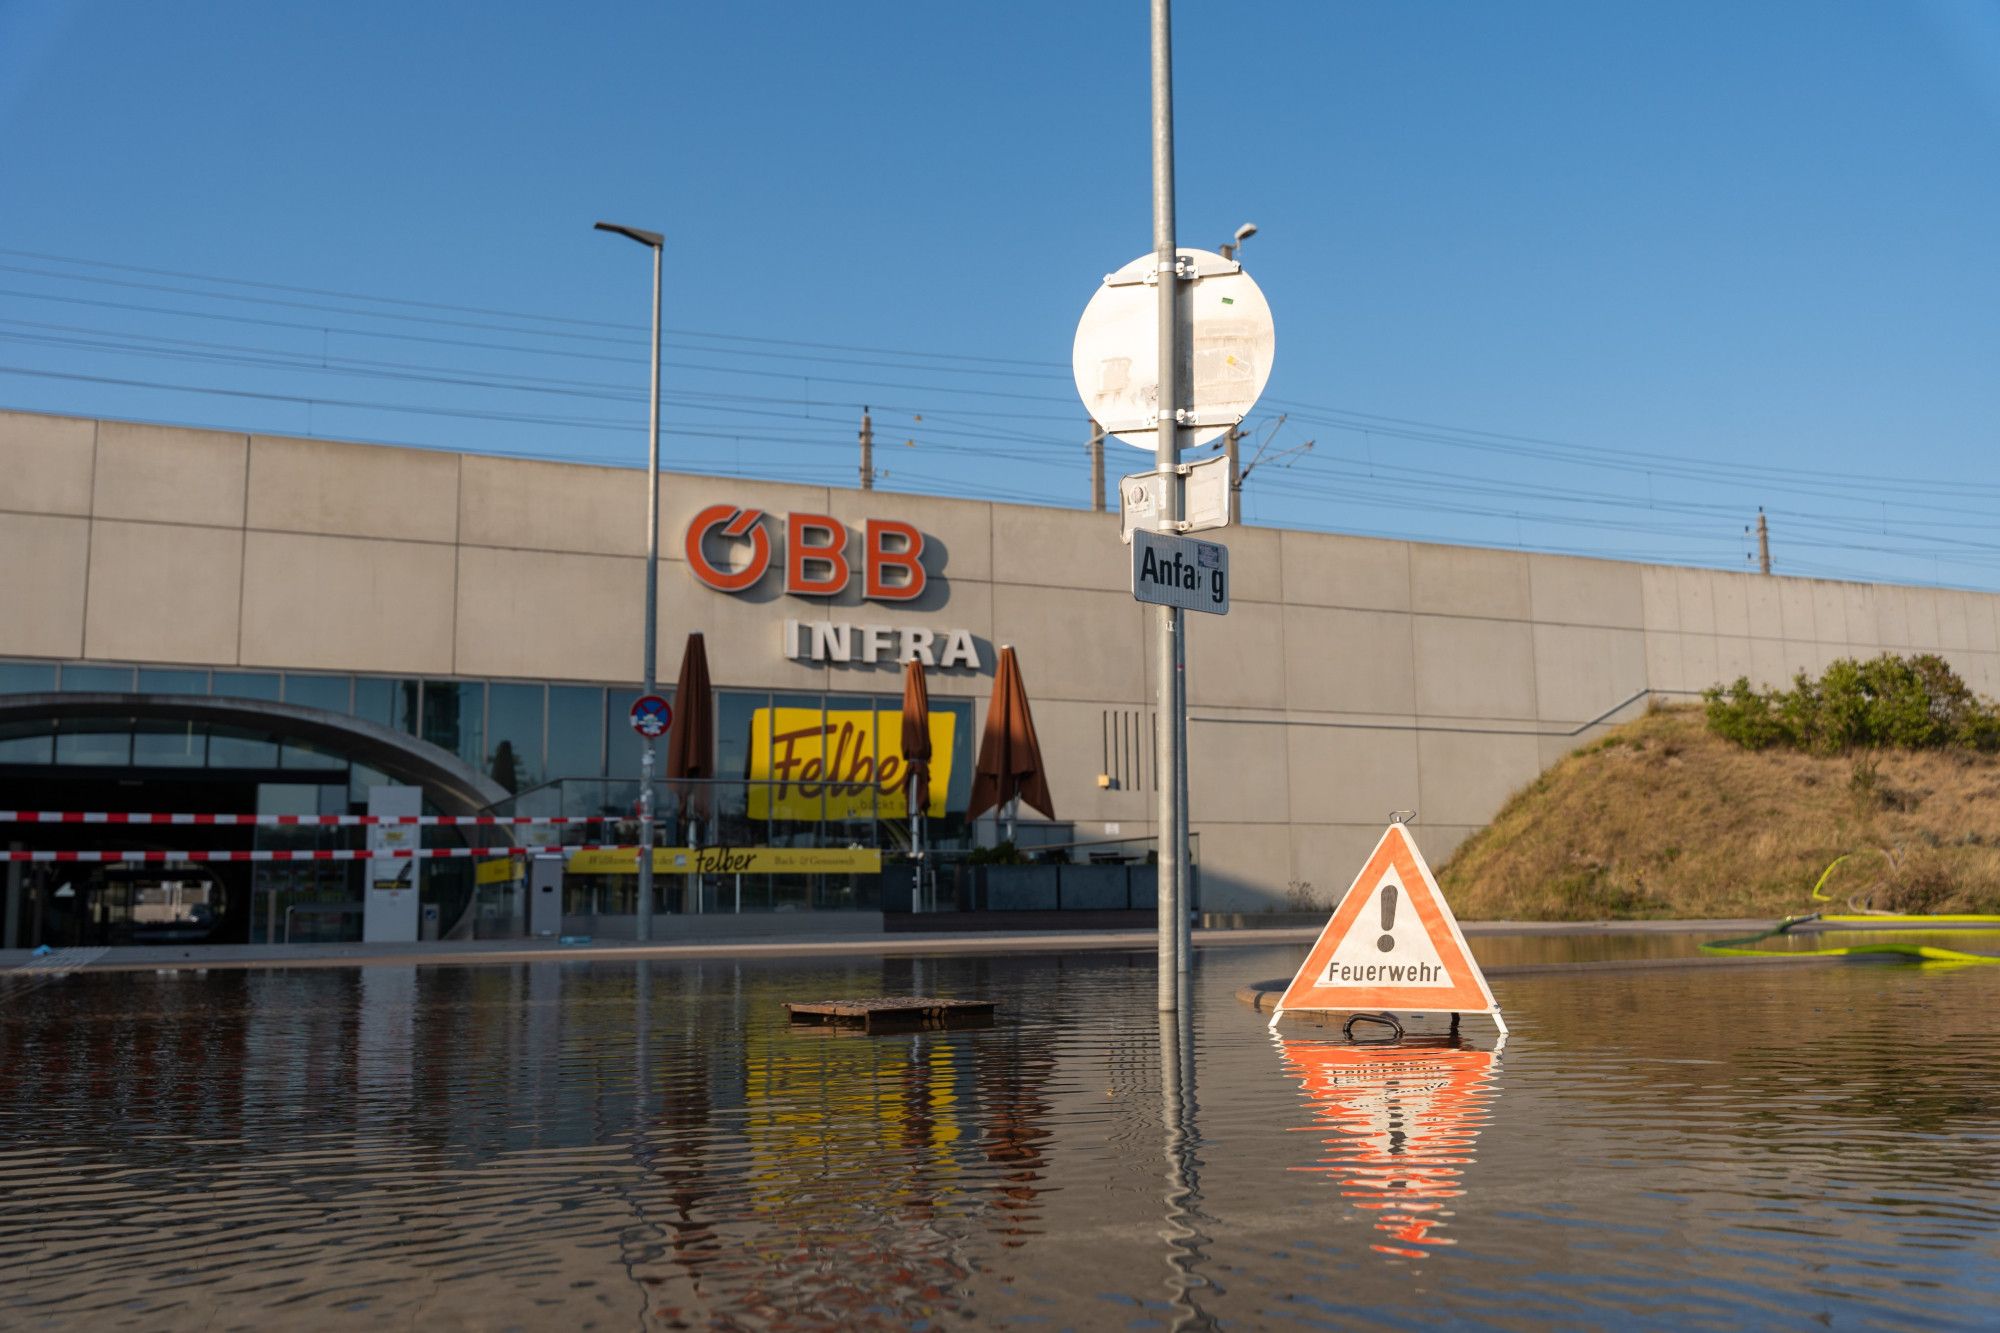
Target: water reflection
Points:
(1404, 1119)
(596, 1145)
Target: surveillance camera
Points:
(1246, 231)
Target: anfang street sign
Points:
(1180, 571)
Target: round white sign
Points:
(1227, 331)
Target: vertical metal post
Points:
(867, 451)
(1096, 467)
(10, 937)
(1763, 542)
(645, 917)
(1167, 661)
(1232, 446)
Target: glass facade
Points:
(825, 750)
(793, 769)
(519, 733)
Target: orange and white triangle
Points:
(1392, 944)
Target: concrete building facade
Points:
(1352, 677)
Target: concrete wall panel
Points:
(1326, 859)
(1350, 773)
(1467, 777)
(1795, 609)
(1767, 662)
(1235, 774)
(1734, 657)
(1581, 672)
(1568, 591)
(1237, 660)
(1696, 591)
(1466, 581)
(1663, 662)
(352, 490)
(1659, 595)
(1046, 546)
(1954, 633)
(160, 593)
(1701, 664)
(1076, 645)
(539, 615)
(1240, 863)
(1349, 661)
(47, 463)
(1476, 668)
(1256, 572)
(1321, 569)
(1982, 627)
(1732, 602)
(1072, 737)
(1860, 614)
(1922, 605)
(1830, 612)
(1767, 617)
(1892, 618)
(164, 475)
(347, 604)
(46, 558)
(1440, 842)
(536, 506)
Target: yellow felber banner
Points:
(840, 764)
(504, 871)
(734, 861)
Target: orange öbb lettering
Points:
(906, 555)
(803, 555)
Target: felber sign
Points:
(816, 561)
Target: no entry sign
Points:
(651, 716)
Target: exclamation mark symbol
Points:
(1388, 941)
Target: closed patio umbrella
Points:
(691, 738)
(917, 760)
(1010, 758)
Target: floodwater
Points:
(581, 1146)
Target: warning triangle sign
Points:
(1392, 944)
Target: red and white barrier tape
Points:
(289, 821)
(311, 854)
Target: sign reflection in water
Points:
(1404, 1119)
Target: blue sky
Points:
(1571, 276)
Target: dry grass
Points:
(1662, 819)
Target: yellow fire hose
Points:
(1863, 920)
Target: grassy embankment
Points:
(1665, 818)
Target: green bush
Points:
(1916, 703)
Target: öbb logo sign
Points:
(815, 559)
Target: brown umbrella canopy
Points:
(1010, 758)
(917, 736)
(691, 738)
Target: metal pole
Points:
(645, 919)
(1763, 542)
(1232, 446)
(10, 938)
(1096, 467)
(867, 452)
(1167, 457)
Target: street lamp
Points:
(655, 242)
(1243, 233)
